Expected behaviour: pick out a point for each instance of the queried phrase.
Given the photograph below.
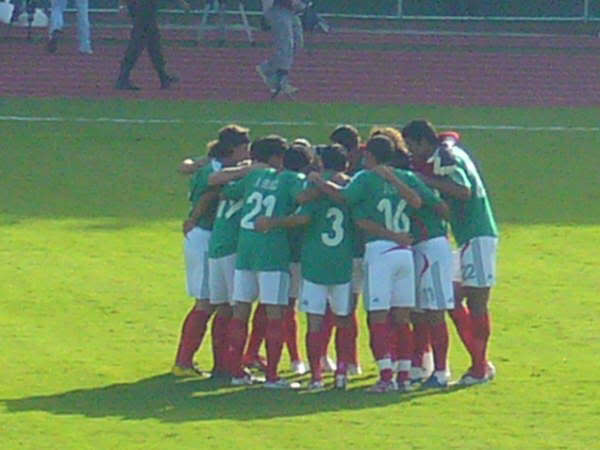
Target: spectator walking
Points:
(57, 22)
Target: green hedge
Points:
(511, 8)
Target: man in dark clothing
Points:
(144, 33)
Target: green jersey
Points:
(373, 198)
(424, 222)
(328, 243)
(226, 228)
(265, 192)
(199, 186)
(474, 217)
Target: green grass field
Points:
(92, 288)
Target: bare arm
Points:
(232, 173)
(442, 210)
(188, 166)
(447, 187)
(375, 229)
(200, 209)
(308, 195)
(329, 188)
(409, 194)
(264, 224)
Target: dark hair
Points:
(264, 148)
(230, 136)
(346, 135)
(334, 157)
(297, 158)
(381, 147)
(417, 130)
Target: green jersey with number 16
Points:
(328, 243)
(265, 192)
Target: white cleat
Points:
(281, 384)
(328, 364)
(383, 387)
(299, 368)
(246, 380)
(490, 373)
(354, 369)
(341, 382)
(316, 386)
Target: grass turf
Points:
(92, 289)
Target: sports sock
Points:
(237, 332)
(259, 326)
(380, 346)
(313, 349)
(353, 340)
(440, 344)
(291, 333)
(461, 316)
(274, 340)
(344, 347)
(192, 333)
(405, 350)
(327, 330)
(481, 335)
(219, 341)
(421, 333)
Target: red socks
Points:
(192, 333)
(313, 348)
(345, 346)
(421, 334)
(237, 333)
(353, 341)
(405, 348)
(259, 326)
(380, 346)
(291, 333)
(439, 342)
(461, 316)
(274, 340)
(326, 330)
(220, 346)
(481, 335)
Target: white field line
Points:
(290, 123)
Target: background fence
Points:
(432, 9)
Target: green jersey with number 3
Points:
(474, 217)
(265, 192)
(373, 198)
(328, 243)
(198, 186)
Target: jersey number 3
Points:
(336, 234)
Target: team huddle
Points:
(315, 227)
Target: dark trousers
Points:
(144, 33)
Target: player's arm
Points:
(200, 208)
(376, 229)
(329, 188)
(410, 195)
(264, 224)
(308, 195)
(447, 186)
(189, 165)
(230, 174)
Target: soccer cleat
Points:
(354, 369)
(435, 382)
(327, 364)
(490, 372)
(52, 44)
(316, 386)
(404, 386)
(168, 80)
(281, 384)
(179, 371)
(125, 85)
(299, 368)
(341, 382)
(258, 363)
(417, 375)
(383, 387)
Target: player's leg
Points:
(313, 302)
(83, 27)
(252, 359)
(326, 332)
(291, 321)
(194, 324)
(245, 291)
(357, 285)
(460, 314)
(422, 341)
(478, 262)
(273, 292)
(342, 305)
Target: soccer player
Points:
(379, 208)
(263, 259)
(328, 237)
(197, 229)
(455, 176)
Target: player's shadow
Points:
(168, 399)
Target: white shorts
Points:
(195, 250)
(220, 279)
(315, 297)
(294, 280)
(389, 277)
(456, 272)
(478, 262)
(434, 270)
(358, 275)
(271, 287)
